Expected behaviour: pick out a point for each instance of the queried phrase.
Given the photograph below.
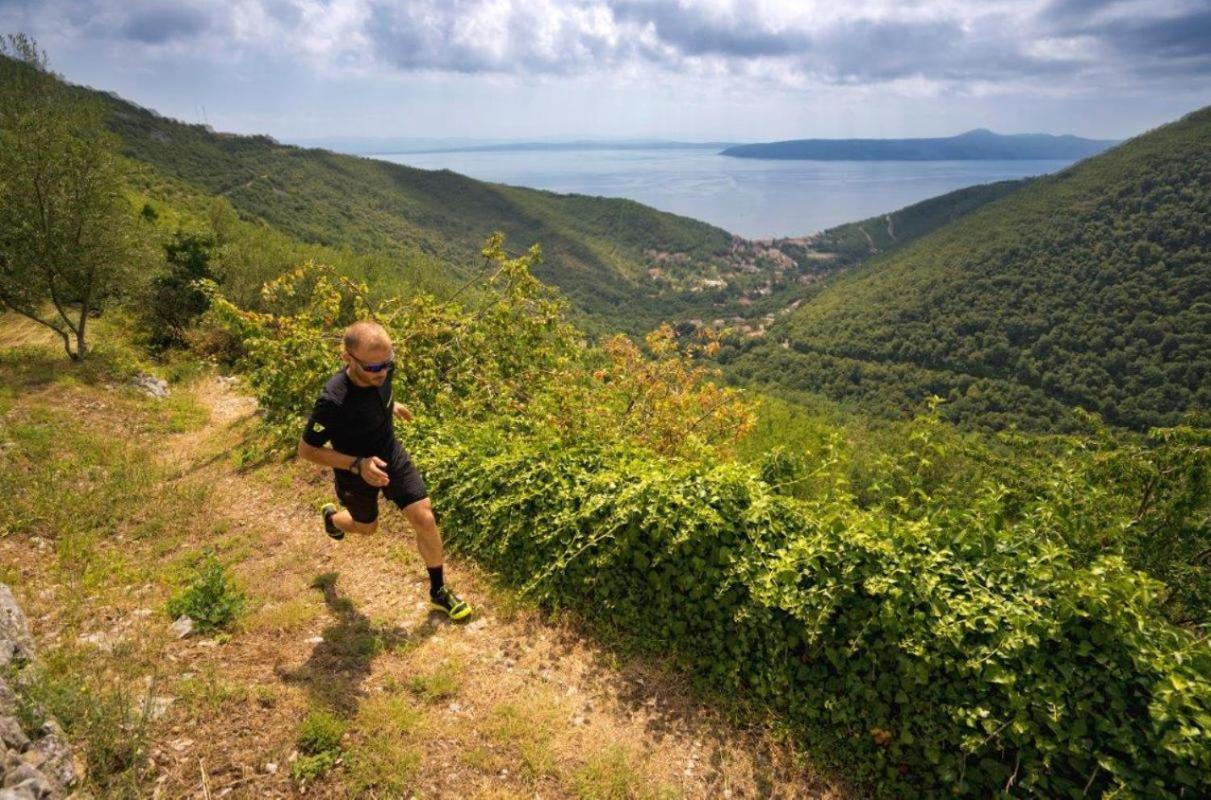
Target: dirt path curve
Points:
(511, 705)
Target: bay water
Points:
(755, 198)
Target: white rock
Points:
(16, 644)
(182, 627)
(155, 387)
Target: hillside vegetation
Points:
(1090, 288)
(595, 249)
(939, 614)
(623, 265)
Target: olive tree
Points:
(68, 235)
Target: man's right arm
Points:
(318, 432)
(324, 456)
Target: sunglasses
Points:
(378, 366)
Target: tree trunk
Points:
(81, 350)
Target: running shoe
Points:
(334, 532)
(447, 601)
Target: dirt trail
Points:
(511, 705)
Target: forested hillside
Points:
(1090, 288)
(596, 250)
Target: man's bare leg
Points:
(429, 543)
(344, 520)
(428, 537)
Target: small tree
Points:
(174, 301)
(67, 233)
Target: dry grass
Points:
(511, 705)
(19, 331)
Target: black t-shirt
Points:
(356, 419)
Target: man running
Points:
(354, 412)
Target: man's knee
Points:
(420, 514)
(365, 527)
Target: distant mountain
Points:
(1090, 287)
(977, 145)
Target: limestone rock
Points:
(12, 736)
(156, 387)
(182, 627)
(15, 642)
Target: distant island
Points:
(976, 145)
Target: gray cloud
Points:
(1063, 43)
(161, 25)
(1173, 37)
(1163, 40)
(1067, 11)
(457, 36)
(739, 34)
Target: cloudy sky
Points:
(739, 70)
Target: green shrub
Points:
(309, 768)
(319, 733)
(948, 649)
(212, 600)
(319, 743)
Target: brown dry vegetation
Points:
(116, 494)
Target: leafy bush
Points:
(173, 302)
(310, 767)
(212, 600)
(956, 651)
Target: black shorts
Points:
(405, 486)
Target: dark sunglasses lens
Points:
(377, 367)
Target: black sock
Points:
(435, 579)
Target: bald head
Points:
(366, 335)
(367, 344)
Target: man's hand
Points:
(402, 411)
(371, 470)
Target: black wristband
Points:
(356, 466)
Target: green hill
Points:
(1090, 287)
(856, 241)
(596, 250)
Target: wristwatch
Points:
(356, 466)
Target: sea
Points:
(755, 198)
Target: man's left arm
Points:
(402, 411)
